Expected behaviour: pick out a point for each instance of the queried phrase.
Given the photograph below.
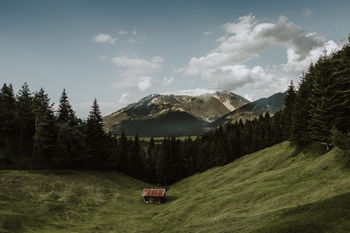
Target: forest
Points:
(33, 135)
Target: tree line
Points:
(32, 131)
(319, 111)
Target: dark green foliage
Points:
(45, 128)
(7, 116)
(300, 117)
(323, 100)
(65, 111)
(25, 119)
(95, 137)
(290, 105)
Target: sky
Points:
(121, 51)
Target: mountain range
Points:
(180, 115)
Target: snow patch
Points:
(226, 102)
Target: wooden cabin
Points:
(153, 195)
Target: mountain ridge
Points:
(181, 115)
(206, 108)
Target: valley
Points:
(277, 189)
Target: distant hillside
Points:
(252, 110)
(155, 114)
(171, 123)
(278, 189)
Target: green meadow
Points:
(278, 189)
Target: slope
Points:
(206, 108)
(251, 110)
(278, 189)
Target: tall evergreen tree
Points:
(322, 101)
(341, 76)
(290, 106)
(25, 119)
(95, 137)
(7, 115)
(45, 126)
(65, 111)
(301, 116)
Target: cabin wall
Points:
(151, 200)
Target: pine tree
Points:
(65, 111)
(45, 132)
(25, 119)
(95, 137)
(323, 101)
(290, 106)
(7, 115)
(301, 117)
(123, 153)
(341, 76)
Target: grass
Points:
(278, 189)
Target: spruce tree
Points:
(301, 117)
(25, 119)
(7, 115)
(323, 101)
(341, 76)
(290, 106)
(95, 137)
(65, 111)
(45, 126)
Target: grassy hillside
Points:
(277, 189)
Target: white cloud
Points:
(134, 32)
(244, 40)
(144, 83)
(133, 67)
(190, 92)
(122, 32)
(131, 84)
(131, 40)
(206, 33)
(103, 57)
(124, 98)
(296, 63)
(167, 81)
(307, 12)
(157, 59)
(104, 38)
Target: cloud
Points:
(167, 81)
(190, 92)
(131, 40)
(124, 98)
(134, 32)
(296, 63)
(104, 38)
(244, 40)
(157, 59)
(307, 12)
(206, 33)
(144, 83)
(133, 67)
(141, 83)
(103, 57)
(122, 32)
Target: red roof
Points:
(153, 193)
